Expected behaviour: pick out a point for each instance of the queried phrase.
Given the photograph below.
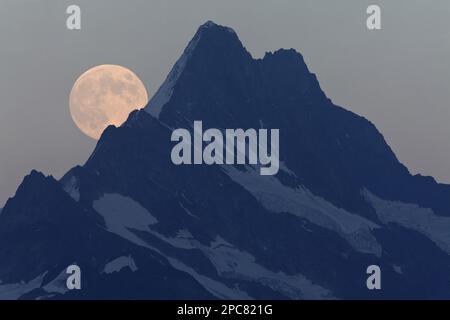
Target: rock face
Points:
(141, 227)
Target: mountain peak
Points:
(215, 57)
(32, 196)
(210, 38)
(212, 25)
(208, 24)
(210, 33)
(284, 53)
(35, 178)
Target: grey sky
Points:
(399, 77)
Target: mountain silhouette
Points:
(142, 227)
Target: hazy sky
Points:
(398, 77)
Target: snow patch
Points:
(57, 285)
(412, 216)
(122, 215)
(164, 93)
(216, 288)
(16, 290)
(71, 188)
(188, 212)
(397, 269)
(284, 168)
(232, 263)
(276, 197)
(183, 240)
(118, 264)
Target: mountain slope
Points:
(340, 202)
(336, 152)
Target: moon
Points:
(105, 95)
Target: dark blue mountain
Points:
(142, 227)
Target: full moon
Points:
(105, 95)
